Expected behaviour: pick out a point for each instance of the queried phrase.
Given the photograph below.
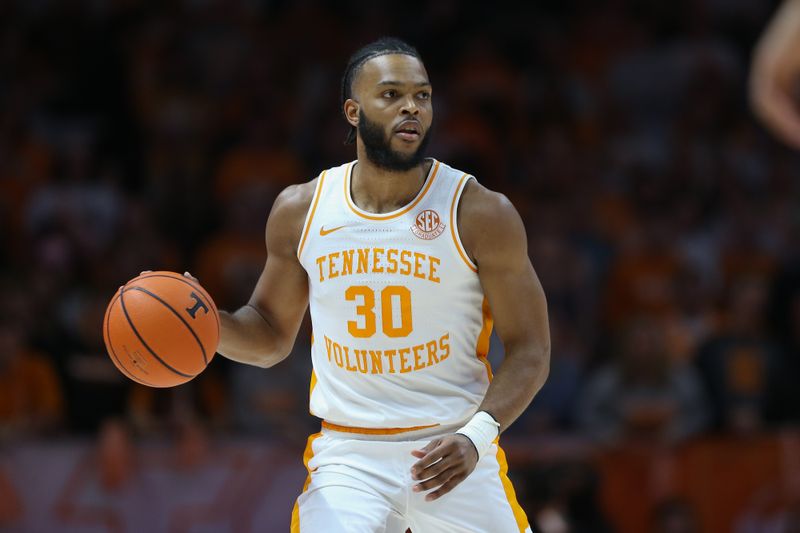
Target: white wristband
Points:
(482, 430)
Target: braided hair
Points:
(383, 46)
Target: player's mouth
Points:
(409, 130)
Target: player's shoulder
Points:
(475, 199)
(298, 197)
(483, 204)
(295, 200)
(487, 221)
(288, 213)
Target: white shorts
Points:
(365, 486)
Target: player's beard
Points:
(379, 150)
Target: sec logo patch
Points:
(428, 225)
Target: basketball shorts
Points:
(365, 486)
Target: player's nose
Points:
(410, 107)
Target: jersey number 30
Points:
(365, 308)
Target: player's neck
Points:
(378, 190)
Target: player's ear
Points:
(351, 108)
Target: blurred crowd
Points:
(663, 222)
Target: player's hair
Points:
(383, 46)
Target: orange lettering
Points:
(320, 260)
(361, 360)
(365, 310)
(418, 364)
(444, 346)
(405, 262)
(328, 346)
(404, 360)
(432, 357)
(418, 266)
(391, 257)
(337, 355)
(347, 267)
(390, 356)
(377, 362)
(376, 261)
(387, 315)
(363, 261)
(434, 262)
(331, 272)
(347, 365)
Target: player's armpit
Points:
(262, 332)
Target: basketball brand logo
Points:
(428, 225)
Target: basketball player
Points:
(775, 74)
(406, 263)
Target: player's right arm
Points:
(262, 332)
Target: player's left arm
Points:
(494, 237)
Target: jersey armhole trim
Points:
(454, 222)
(310, 214)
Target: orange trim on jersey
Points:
(508, 488)
(457, 242)
(375, 216)
(482, 348)
(317, 194)
(307, 455)
(312, 385)
(373, 431)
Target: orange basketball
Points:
(161, 329)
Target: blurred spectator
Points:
(675, 516)
(31, 401)
(94, 388)
(642, 393)
(741, 366)
(203, 401)
(642, 277)
(231, 260)
(563, 498)
(273, 403)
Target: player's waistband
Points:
(388, 434)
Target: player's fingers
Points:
(434, 469)
(143, 272)
(190, 276)
(429, 458)
(447, 487)
(422, 452)
(438, 480)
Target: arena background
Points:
(662, 221)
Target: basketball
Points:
(161, 329)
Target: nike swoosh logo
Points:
(323, 231)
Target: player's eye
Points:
(391, 93)
(424, 95)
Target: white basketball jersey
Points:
(401, 325)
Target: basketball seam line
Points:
(113, 352)
(136, 332)
(185, 323)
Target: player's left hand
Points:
(444, 463)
